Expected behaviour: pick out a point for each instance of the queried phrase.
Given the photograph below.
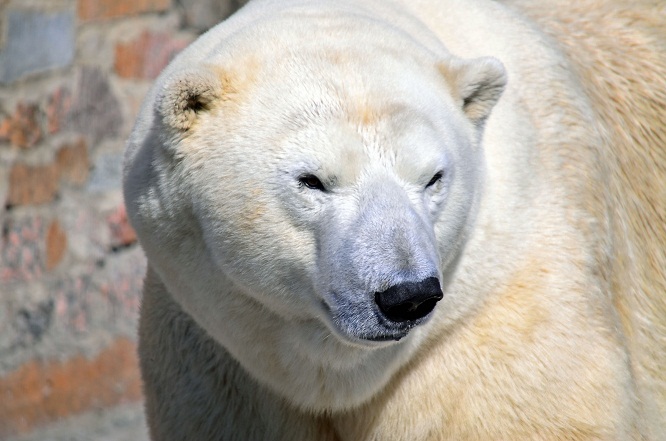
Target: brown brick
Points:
(89, 10)
(73, 163)
(146, 56)
(56, 245)
(32, 185)
(41, 392)
(22, 129)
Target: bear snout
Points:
(409, 301)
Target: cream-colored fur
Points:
(547, 227)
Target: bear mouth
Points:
(385, 337)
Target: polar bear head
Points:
(323, 186)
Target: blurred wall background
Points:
(72, 76)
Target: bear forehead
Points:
(301, 86)
(276, 100)
(341, 51)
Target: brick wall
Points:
(72, 76)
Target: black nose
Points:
(409, 301)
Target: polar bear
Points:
(407, 220)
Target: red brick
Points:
(56, 245)
(73, 163)
(122, 233)
(5, 129)
(41, 392)
(32, 185)
(22, 129)
(90, 10)
(146, 56)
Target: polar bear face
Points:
(319, 188)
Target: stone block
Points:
(73, 163)
(204, 14)
(104, 297)
(88, 237)
(31, 323)
(32, 185)
(91, 10)
(29, 185)
(36, 42)
(146, 56)
(22, 129)
(96, 111)
(57, 109)
(107, 173)
(121, 285)
(39, 392)
(78, 305)
(21, 250)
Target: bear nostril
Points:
(409, 311)
(409, 301)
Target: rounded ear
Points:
(186, 94)
(477, 84)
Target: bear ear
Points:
(477, 84)
(186, 94)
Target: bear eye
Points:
(434, 179)
(312, 182)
